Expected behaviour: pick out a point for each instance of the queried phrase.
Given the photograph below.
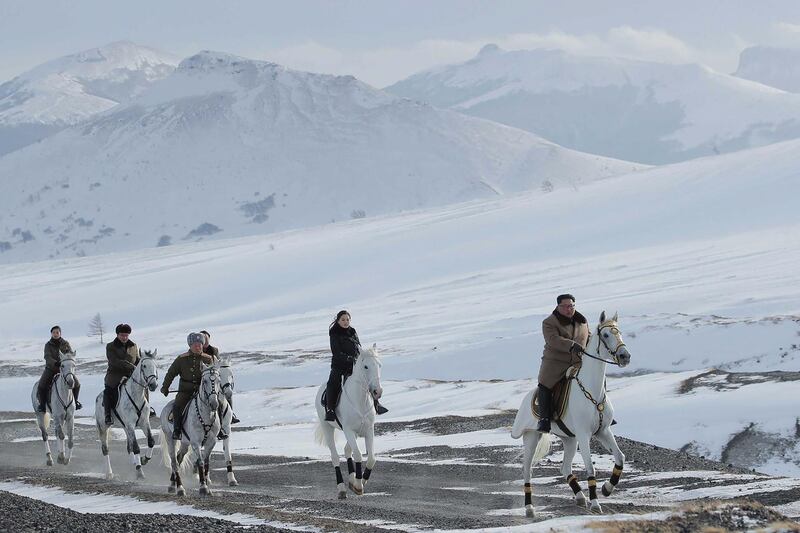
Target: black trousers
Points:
(334, 387)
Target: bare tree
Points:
(96, 327)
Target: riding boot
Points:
(545, 409)
(176, 427)
(234, 418)
(107, 406)
(76, 391)
(379, 409)
(332, 395)
(41, 395)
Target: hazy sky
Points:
(383, 41)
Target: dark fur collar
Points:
(336, 329)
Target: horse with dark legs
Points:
(132, 411)
(61, 410)
(201, 425)
(355, 416)
(589, 413)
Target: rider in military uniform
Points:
(52, 365)
(189, 366)
(123, 356)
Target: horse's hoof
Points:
(529, 511)
(580, 500)
(607, 489)
(357, 490)
(139, 473)
(203, 491)
(181, 492)
(61, 459)
(595, 507)
(109, 476)
(171, 489)
(49, 462)
(145, 460)
(342, 495)
(233, 483)
(66, 461)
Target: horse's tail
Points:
(542, 448)
(164, 443)
(319, 434)
(186, 464)
(524, 419)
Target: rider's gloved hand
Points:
(576, 348)
(165, 391)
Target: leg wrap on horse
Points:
(592, 488)
(573, 483)
(528, 492)
(350, 465)
(358, 470)
(339, 478)
(367, 472)
(615, 474)
(230, 466)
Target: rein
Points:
(58, 394)
(138, 409)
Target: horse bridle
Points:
(146, 378)
(64, 379)
(222, 389)
(206, 427)
(615, 332)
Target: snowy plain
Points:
(698, 258)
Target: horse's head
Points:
(148, 369)
(226, 376)
(209, 386)
(611, 340)
(67, 368)
(368, 364)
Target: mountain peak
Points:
(489, 49)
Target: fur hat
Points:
(123, 328)
(195, 337)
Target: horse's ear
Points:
(615, 317)
(374, 345)
(602, 317)
(155, 352)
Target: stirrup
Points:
(78, 405)
(379, 409)
(330, 415)
(234, 420)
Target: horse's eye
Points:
(605, 335)
(366, 367)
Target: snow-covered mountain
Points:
(71, 89)
(639, 111)
(227, 146)
(776, 67)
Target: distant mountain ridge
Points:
(649, 112)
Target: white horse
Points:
(199, 433)
(132, 411)
(589, 413)
(356, 418)
(61, 408)
(226, 414)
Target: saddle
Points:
(560, 395)
(170, 416)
